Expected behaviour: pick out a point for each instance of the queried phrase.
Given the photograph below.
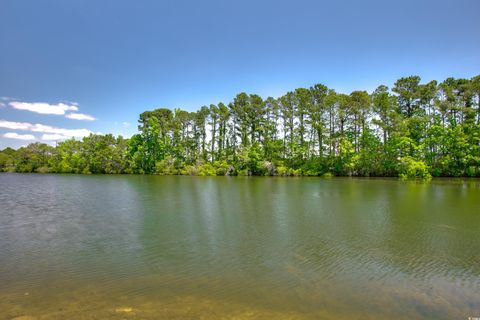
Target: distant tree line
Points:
(413, 130)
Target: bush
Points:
(288, 172)
(189, 170)
(166, 166)
(43, 169)
(471, 171)
(314, 167)
(410, 168)
(206, 169)
(222, 168)
(244, 172)
(268, 168)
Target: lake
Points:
(154, 247)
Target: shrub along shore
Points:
(413, 130)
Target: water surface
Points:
(151, 247)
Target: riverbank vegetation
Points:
(412, 130)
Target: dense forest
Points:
(412, 130)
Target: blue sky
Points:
(111, 60)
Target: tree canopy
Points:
(413, 130)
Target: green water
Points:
(150, 247)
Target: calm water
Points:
(149, 247)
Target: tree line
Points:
(412, 129)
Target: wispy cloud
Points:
(15, 125)
(26, 126)
(14, 135)
(80, 116)
(71, 102)
(125, 124)
(54, 137)
(43, 108)
(67, 109)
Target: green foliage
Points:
(314, 166)
(33, 158)
(413, 130)
(287, 172)
(346, 161)
(206, 169)
(222, 168)
(166, 166)
(250, 161)
(6, 162)
(410, 168)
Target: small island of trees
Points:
(413, 130)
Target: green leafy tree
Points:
(414, 130)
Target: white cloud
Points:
(125, 124)
(14, 135)
(72, 103)
(43, 108)
(54, 136)
(80, 116)
(15, 125)
(26, 126)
